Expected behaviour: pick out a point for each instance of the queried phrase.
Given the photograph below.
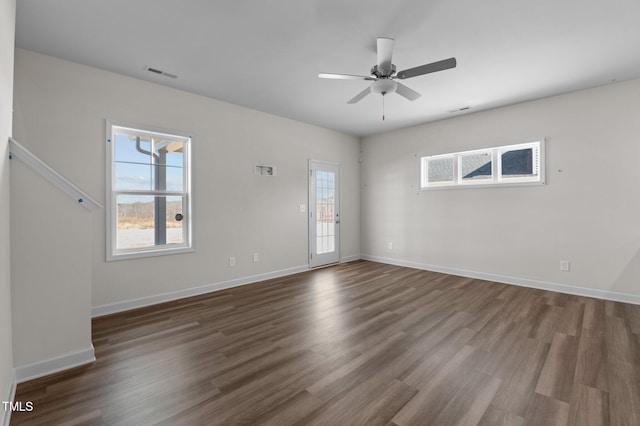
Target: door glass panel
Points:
(325, 212)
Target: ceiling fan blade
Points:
(344, 76)
(385, 51)
(360, 95)
(427, 68)
(403, 90)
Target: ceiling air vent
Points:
(160, 72)
(464, 108)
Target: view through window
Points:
(150, 192)
(504, 165)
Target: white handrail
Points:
(62, 183)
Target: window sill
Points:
(481, 185)
(148, 253)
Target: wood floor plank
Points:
(291, 411)
(353, 372)
(367, 403)
(633, 316)
(495, 417)
(505, 354)
(546, 411)
(517, 391)
(469, 404)
(589, 407)
(591, 367)
(437, 357)
(623, 371)
(594, 315)
(434, 395)
(556, 378)
(357, 343)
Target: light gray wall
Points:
(50, 255)
(50, 270)
(60, 112)
(7, 31)
(587, 213)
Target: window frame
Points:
(497, 179)
(112, 193)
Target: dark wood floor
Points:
(358, 343)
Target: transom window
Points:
(504, 165)
(149, 192)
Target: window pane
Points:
(476, 166)
(440, 170)
(135, 222)
(518, 163)
(130, 176)
(168, 152)
(137, 216)
(168, 178)
(126, 149)
(175, 220)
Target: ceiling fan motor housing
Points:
(375, 72)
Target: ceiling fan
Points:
(384, 75)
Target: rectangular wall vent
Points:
(261, 170)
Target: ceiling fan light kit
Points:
(383, 86)
(383, 74)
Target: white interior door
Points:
(324, 213)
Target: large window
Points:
(148, 191)
(504, 165)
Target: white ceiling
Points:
(266, 54)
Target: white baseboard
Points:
(54, 365)
(5, 415)
(350, 258)
(523, 282)
(112, 308)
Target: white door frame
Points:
(327, 258)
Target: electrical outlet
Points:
(256, 257)
(303, 208)
(565, 265)
(390, 245)
(232, 262)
